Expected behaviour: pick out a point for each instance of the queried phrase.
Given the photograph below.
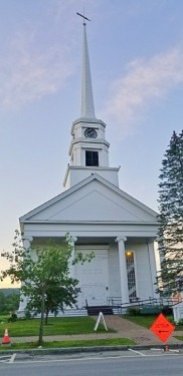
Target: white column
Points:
(153, 267)
(73, 240)
(123, 269)
(23, 299)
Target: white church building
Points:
(98, 215)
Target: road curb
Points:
(75, 350)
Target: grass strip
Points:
(144, 320)
(70, 343)
(179, 337)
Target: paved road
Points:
(118, 364)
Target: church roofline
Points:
(93, 222)
(88, 168)
(76, 187)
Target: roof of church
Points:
(125, 201)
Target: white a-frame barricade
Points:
(101, 319)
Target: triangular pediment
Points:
(93, 199)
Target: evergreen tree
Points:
(170, 239)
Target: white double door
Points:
(93, 279)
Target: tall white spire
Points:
(89, 149)
(87, 103)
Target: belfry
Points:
(98, 215)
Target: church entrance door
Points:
(93, 277)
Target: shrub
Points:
(166, 310)
(133, 311)
(12, 318)
(180, 322)
(150, 309)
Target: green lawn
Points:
(71, 343)
(179, 337)
(144, 320)
(58, 325)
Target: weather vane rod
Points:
(85, 18)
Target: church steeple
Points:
(89, 150)
(87, 103)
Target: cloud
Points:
(147, 81)
(38, 58)
(29, 73)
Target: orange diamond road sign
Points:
(162, 328)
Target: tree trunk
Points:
(46, 317)
(40, 340)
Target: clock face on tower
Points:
(90, 133)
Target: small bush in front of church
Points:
(134, 311)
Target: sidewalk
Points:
(123, 328)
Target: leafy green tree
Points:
(58, 294)
(40, 269)
(12, 302)
(2, 303)
(9, 303)
(170, 239)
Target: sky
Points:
(136, 58)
